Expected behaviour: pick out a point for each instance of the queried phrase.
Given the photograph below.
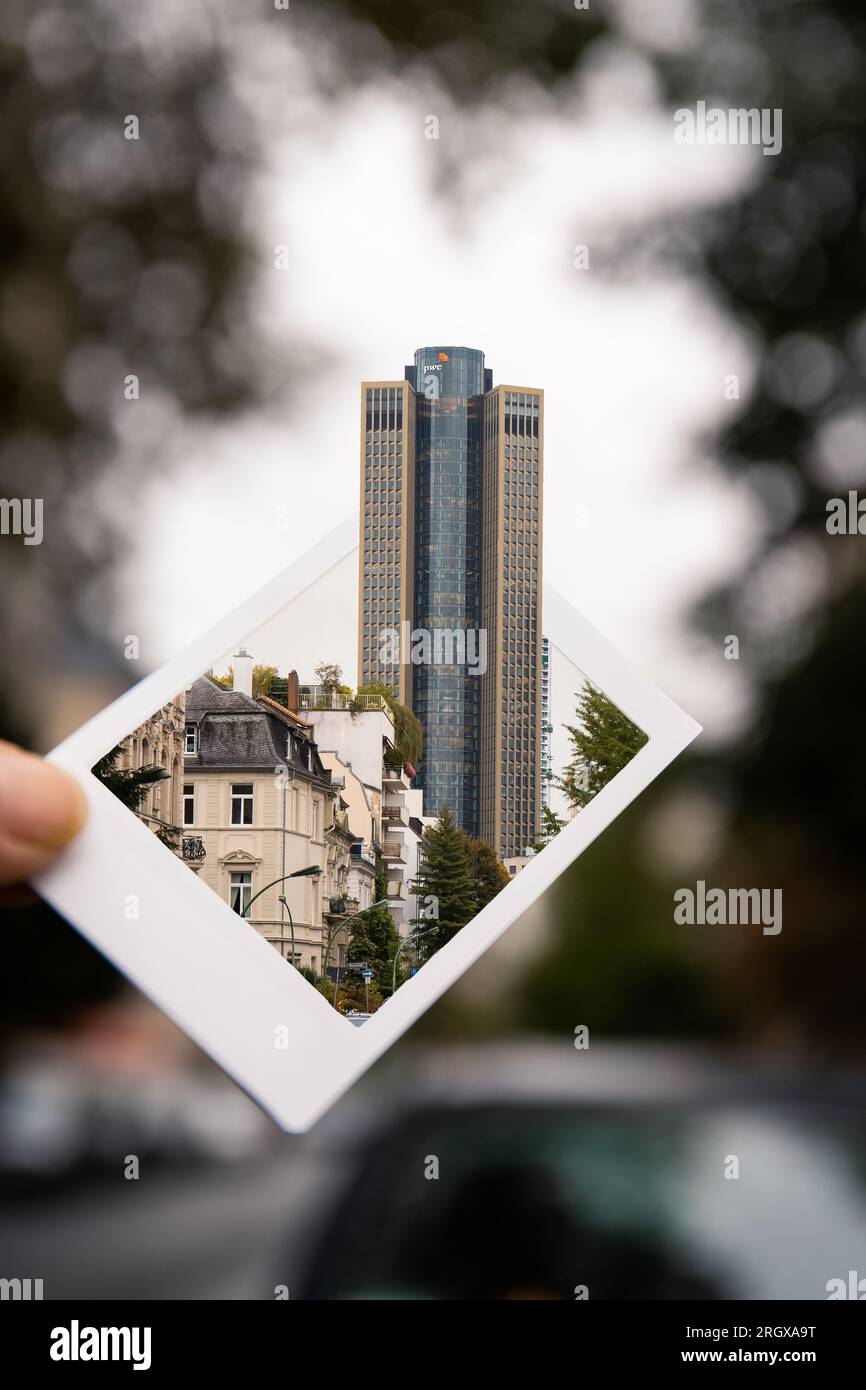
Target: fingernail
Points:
(39, 803)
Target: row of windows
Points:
(241, 805)
(384, 408)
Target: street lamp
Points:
(299, 873)
(383, 902)
(410, 941)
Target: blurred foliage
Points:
(120, 257)
(117, 257)
(471, 48)
(616, 961)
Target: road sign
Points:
(367, 974)
(356, 965)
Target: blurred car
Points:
(522, 1170)
(64, 1124)
(531, 1171)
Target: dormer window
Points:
(190, 738)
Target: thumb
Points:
(41, 809)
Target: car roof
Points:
(532, 1074)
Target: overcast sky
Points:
(636, 520)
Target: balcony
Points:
(395, 852)
(313, 697)
(397, 890)
(395, 813)
(364, 853)
(393, 780)
(192, 849)
(318, 697)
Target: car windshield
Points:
(502, 1203)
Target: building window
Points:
(240, 891)
(242, 803)
(190, 739)
(188, 804)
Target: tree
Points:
(375, 939)
(408, 733)
(488, 875)
(551, 824)
(329, 674)
(604, 741)
(445, 876)
(131, 785)
(262, 677)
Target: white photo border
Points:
(220, 981)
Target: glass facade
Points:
(451, 481)
(449, 384)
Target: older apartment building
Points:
(160, 743)
(260, 809)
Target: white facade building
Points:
(562, 683)
(354, 744)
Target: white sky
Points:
(636, 520)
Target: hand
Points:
(42, 808)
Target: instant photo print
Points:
(269, 871)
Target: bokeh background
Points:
(675, 517)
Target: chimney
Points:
(293, 694)
(242, 672)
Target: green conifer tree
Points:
(604, 741)
(445, 883)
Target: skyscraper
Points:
(451, 488)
